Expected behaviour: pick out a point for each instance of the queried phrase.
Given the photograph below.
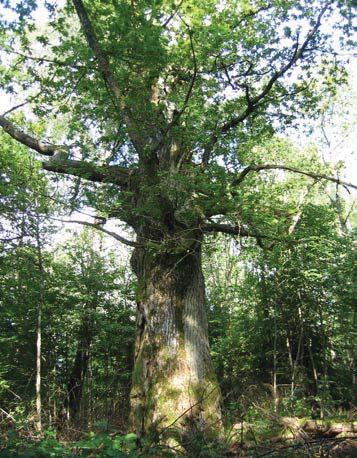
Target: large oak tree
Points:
(159, 105)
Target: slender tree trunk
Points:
(38, 372)
(80, 365)
(313, 366)
(38, 421)
(81, 362)
(352, 359)
(298, 354)
(54, 395)
(266, 341)
(275, 375)
(174, 385)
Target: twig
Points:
(316, 441)
(7, 414)
(172, 15)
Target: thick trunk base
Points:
(174, 388)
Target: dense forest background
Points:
(282, 315)
(269, 199)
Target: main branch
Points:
(99, 174)
(27, 140)
(105, 69)
(59, 162)
(231, 230)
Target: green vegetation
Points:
(201, 300)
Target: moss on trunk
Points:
(174, 387)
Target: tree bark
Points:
(174, 386)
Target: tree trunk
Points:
(76, 380)
(80, 365)
(174, 386)
(38, 419)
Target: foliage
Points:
(103, 445)
(172, 118)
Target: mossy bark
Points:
(174, 386)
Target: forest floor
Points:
(280, 437)
(300, 437)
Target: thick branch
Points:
(100, 174)
(318, 176)
(27, 140)
(59, 163)
(105, 68)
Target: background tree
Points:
(75, 285)
(278, 310)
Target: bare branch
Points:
(11, 239)
(45, 59)
(8, 415)
(252, 14)
(16, 107)
(297, 54)
(59, 163)
(172, 15)
(318, 176)
(101, 229)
